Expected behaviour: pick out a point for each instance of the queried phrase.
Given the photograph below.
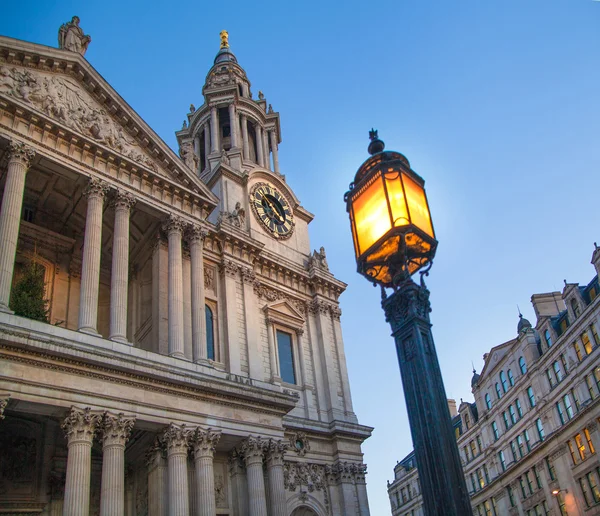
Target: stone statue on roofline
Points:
(71, 37)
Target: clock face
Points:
(272, 210)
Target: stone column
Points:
(272, 352)
(266, 153)
(92, 244)
(333, 488)
(239, 483)
(259, 145)
(273, 138)
(196, 237)
(116, 430)
(174, 229)
(176, 438)
(275, 452)
(246, 147)
(361, 489)
(157, 480)
(80, 427)
(19, 160)
(206, 144)
(120, 268)
(214, 129)
(253, 448)
(233, 126)
(204, 443)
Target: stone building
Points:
(529, 443)
(192, 360)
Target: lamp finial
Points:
(376, 144)
(224, 39)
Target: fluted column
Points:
(206, 144)
(116, 430)
(246, 147)
(157, 480)
(80, 427)
(92, 243)
(19, 160)
(259, 145)
(174, 229)
(176, 439)
(204, 443)
(239, 483)
(273, 138)
(233, 125)
(214, 129)
(265, 143)
(120, 267)
(253, 448)
(196, 241)
(275, 452)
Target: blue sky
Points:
(495, 103)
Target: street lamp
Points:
(393, 239)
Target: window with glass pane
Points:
(495, 430)
(590, 386)
(529, 478)
(580, 447)
(587, 345)
(575, 399)
(479, 445)
(557, 371)
(593, 482)
(562, 504)
(595, 334)
(210, 333)
(519, 409)
(522, 484)
(531, 396)
(488, 401)
(527, 442)
(585, 489)
(577, 351)
(505, 417)
(538, 480)
(286, 357)
(486, 474)
(503, 381)
(588, 438)
(550, 378)
(511, 496)
(522, 365)
(513, 416)
(568, 406)
(550, 467)
(466, 450)
(511, 378)
(480, 478)
(564, 364)
(575, 308)
(502, 461)
(473, 449)
(488, 508)
(548, 338)
(574, 456)
(473, 483)
(597, 377)
(513, 449)
(498, 392)
(521, 446)
(540, 429)
(561, 414)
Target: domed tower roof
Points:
(475, 379)
(523, 325)
(225, 55)
(226, 73)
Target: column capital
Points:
(196, 234)
(81, 424)
(116, 429)
(176, 438)
(123, 200)
(205, 442)
(248, 275)
(3, 402)
(229, 268)
(174, 224)
(275, 452)
(96, 188)
(20, 152)
(253, 449)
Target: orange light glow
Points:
(417, 205)
(371, 215)
(397, 199)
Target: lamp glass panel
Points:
(352, 225)
(371, 215)
(417, 205)
(397, 199)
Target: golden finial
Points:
(224, 39)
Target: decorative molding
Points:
(410, 300)
(20, 152)
(81, 424)
(174, 224)
(116, 429)
(248, 275)
(229, 268)
(299, 443)
(196, 233)
(204, 442)
(96, 188)
(275, 452)
(253, 449)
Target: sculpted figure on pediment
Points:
(71, 37)
(63, 100)
(187, 154)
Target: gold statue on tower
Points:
(224, 39)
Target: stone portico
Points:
(160, 383)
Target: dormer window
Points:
(548, 338)
(575, 307)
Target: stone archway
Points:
(303, 511)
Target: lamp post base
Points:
(440, 471)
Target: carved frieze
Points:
(300, 474)
(220, 492)
(299, 443)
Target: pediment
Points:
(75, 97)
(495, 356)
(283, 312)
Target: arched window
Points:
(575, 307)
(210, 333)
(511, 378)
(548, 338)
(498, 392)
(488, 401)
(522, 365)
(503, 380)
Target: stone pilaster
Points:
(246, 147)
(233, 126)
(80, 427)
(196, 241)
(204, 443)
(259, 145)
(230, 270)
(361, 489)
(275, 453)
(253, 450)
(214, 130)
(174, 229)
(116, 430)
(90, 270)
(156, 463)
(123, 203)
(266, 155)
(20, 157)
(206, 144)
(176, 439)
(273, 138)
(239, 483)
(275, 378)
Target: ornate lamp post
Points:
(393, 239)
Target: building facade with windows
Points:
(529, 443)
(189, 358)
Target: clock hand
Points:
(274, 209)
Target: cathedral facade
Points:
(188, 359)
